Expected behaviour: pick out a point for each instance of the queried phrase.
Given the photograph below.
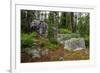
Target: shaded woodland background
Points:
(73, 23)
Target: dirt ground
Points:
(57, 55)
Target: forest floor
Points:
(57, 55)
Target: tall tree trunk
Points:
(29, 20)
(72, 21)
(75, 22)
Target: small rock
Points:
(61, 58)
(78, 49)
(35, 53)
(44, 52)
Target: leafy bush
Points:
(30, 41)
(87, 40)
(33, 34)
(53, 41)
(26, 40)
(52, 44)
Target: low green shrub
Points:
(52, 44)
(64, 31)
(53, 41)
(31, 41)
(33, 34)
(26, 40)
(68, 36)
(87, 40)
(72, 35)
